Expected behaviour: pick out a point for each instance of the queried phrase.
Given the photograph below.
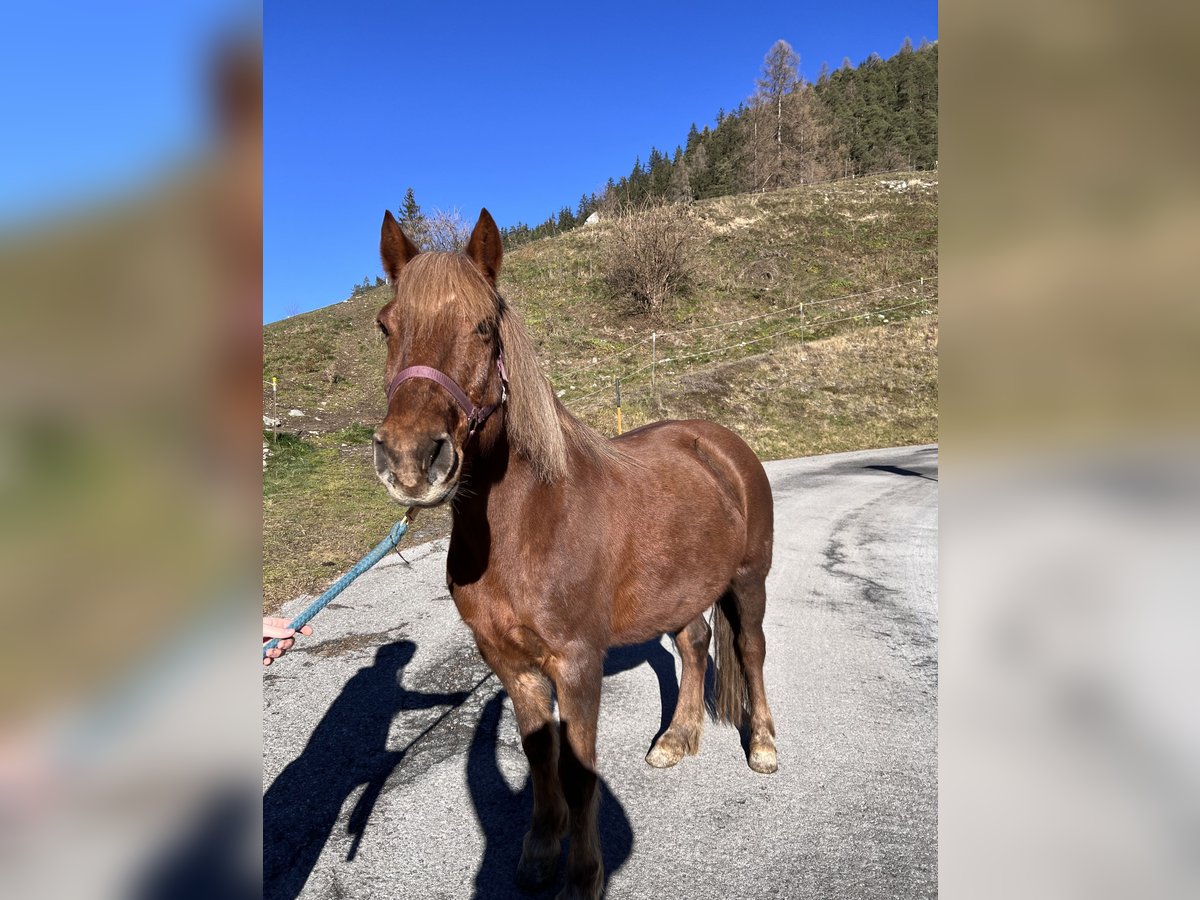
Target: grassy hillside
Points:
(855, 367)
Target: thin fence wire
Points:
(646, 394)
(796, 306)
(604, 387)
(804, 326)
(801, 306)
(606, 358)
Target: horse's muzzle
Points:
(420, 471)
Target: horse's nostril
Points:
(441, 461)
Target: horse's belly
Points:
(660, 609)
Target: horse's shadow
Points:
(504, 814)
(662, 662)
(654, 654)
(348, 748)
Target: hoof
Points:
(764, 761)
(537, 871)
(581, 891)
(663, 757)
(670, 749)
(534, 874)
(763, 758)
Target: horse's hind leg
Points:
(750, 595)
(683, 735)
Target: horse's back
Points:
(721, 450)
(732, 466)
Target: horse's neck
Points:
(499, 478)
(493, 475)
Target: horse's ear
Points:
(395, 247)
(484, 248)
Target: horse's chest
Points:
(499, 627)
(523, 600)
(483, 618)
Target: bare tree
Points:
(650, 254)
(816, 152)
(790, 137)
(780, 76)
(680, 188)
(696, 167)
(759, 162)
(446, 230)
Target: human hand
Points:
(278, 628)
(30, 782)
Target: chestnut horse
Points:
(566, 543)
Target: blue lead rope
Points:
(381, 550)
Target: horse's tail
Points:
(731, 694)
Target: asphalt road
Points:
(392, 766)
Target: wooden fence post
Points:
(618, 406)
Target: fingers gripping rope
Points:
(381, 550)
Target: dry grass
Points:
(874, 387)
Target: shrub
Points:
(650, 253)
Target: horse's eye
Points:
(484, 329)
(382, 328)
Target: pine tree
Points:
(638, 182)
(885, 111)
(723, 148)
(412, 220)
(659, 169)
(410, 210)
(880, 114)
(697, 169)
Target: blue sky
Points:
(100, 100)
(517, 107)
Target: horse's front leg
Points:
(530, 693)
(578, 681)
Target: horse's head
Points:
(445, 371)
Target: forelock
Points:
(435, 284)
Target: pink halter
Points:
(476, 415)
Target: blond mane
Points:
(539, 427)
